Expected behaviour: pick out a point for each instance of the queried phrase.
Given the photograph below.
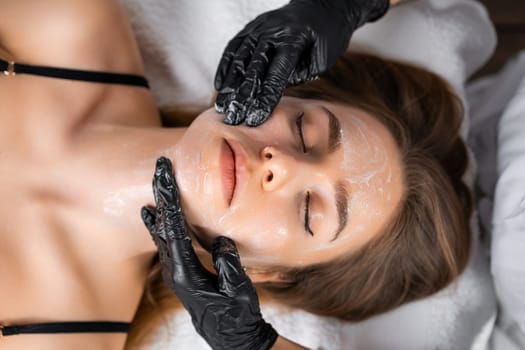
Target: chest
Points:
(60, 248)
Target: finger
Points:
(234, 78)
(232, 279)
(148, 217)
(181, 269)
(224, 64)
(184, 270)
(168, 208)
(169, 215)
(307, 67)
(164, 189)
(251, 85)
(223, 100)
(233, 48)
(169, 219)
(276, 81)
(238, 63)
(235, 112)
(304, 70)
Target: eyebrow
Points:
(341, 203)
(341, 194)
(334, 131)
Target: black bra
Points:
(12, 68)
(66, 327)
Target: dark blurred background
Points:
(509, 19)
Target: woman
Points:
(77, 160)
(413, 255)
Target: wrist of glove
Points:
(355, 12)
(363, 11)
(224, 308)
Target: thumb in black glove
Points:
(290, 45)
(225, 308)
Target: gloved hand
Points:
(290, 45)
(224, 308)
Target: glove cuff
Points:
(379, 11)
(267, 336)
(362, 11)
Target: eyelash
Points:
(299, 124)
(307, 215)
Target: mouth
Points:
(227, 166)
(233, 169)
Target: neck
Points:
(115, 170)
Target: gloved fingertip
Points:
(148, 217)
(256, 116)
(165, 175)
(229, 117)
(226, 258)
(227, 262)
(147, 213)
(222, 101)
(232, 117)
(165, 189)
(219, 108)
(222, 245)
(236, 112)
(163, 165)
(224, 251)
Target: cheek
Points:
(276, 131)
(259, 230)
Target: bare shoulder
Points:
(67, 33)
(77, 34)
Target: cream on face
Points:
(267, 217)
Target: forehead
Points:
(364, 138)
(369, 164)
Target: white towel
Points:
(182, 42)
(508, 221)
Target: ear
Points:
(258, 275)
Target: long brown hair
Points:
(427, 243)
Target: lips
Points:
(233, 169)
(227, 166)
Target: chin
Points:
(202, 236)
(199, 242)
(196, 166)
(197, 215)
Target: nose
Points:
(277, 168)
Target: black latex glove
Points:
(287, 46)
(224, 308)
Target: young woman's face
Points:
(316, 180)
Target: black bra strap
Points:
(67, 327)
(12, 68)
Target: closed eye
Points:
(299, 124)
(307, 215)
